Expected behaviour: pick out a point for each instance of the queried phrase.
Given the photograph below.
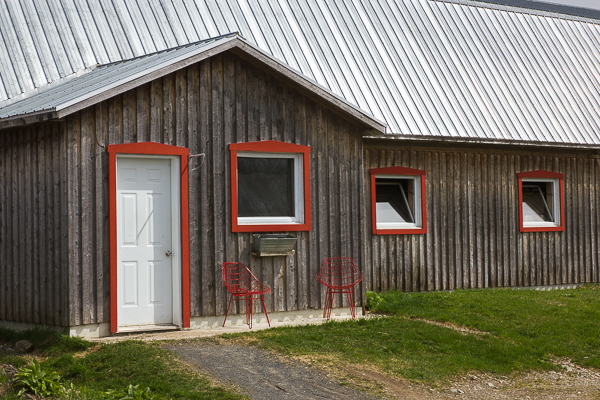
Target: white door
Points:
(144, 237)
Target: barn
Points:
(440, 144)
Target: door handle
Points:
(168, 253)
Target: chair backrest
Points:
(236, 277)
(339, 273)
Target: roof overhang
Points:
(232, 42)
(453, 141)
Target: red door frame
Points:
(149, 148)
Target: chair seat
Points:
(339, 275)
(241, 283)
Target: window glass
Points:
(395, 200)
(538, 202)
(266, 187)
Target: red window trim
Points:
(549, 175)
(398, 171)
(269, 146)
(154, 149)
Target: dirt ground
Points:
(262, 375)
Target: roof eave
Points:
(453, 140)
(29, 118)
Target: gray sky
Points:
(593, 4)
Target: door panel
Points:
(144, 271)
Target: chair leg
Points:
(350, 296)
(228, 305)
(265, 308)
(328, 304)
(325, 302)
(249, 311)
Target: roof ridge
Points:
(534, 7)
(211, 39)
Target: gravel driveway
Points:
(259, 374)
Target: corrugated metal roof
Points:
(101, 79)
(105, 81)
(440, 68)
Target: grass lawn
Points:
(517, 330)
(96, 369)
(510, 331)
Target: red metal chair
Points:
(339, 275)
(242, 283)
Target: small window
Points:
(398, 204)
(269, 187)
(541, 202)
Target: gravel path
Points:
(259, 374)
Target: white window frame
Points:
(417, 204)
(298, 217)
(555, 203)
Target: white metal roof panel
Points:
(454, 68)
(100, 79)
(109, 80)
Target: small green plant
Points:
(373, 300)
(132, 393)
(38, 381)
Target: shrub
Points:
(373, 301)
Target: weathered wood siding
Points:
(473, 238)
(34, 256)
(205, 107)
(54, 249)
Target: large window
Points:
(269, 187)
(541, 201)
(398, 201)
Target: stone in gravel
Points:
(490, 384)
(7, 370)
(23, 346)
(454, 390)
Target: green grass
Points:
(114, 366)
(527, 329)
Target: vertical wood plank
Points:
(74, 212)
(156, 111)
(87, 200)
(322, 179)
(444, 220)
(143, 113)
(206, 211)
(485, 221)
(303, 256)
(38, 258)
(195, 165)
(572, 201)
(458, 218)
(513, 217)
(101, 244)
(432, 239)
(169, 107)
(218, 179)
(229, 126)
(465, 221)
(478, 223)
(4, 246)
(26, 240)
(450, 216)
